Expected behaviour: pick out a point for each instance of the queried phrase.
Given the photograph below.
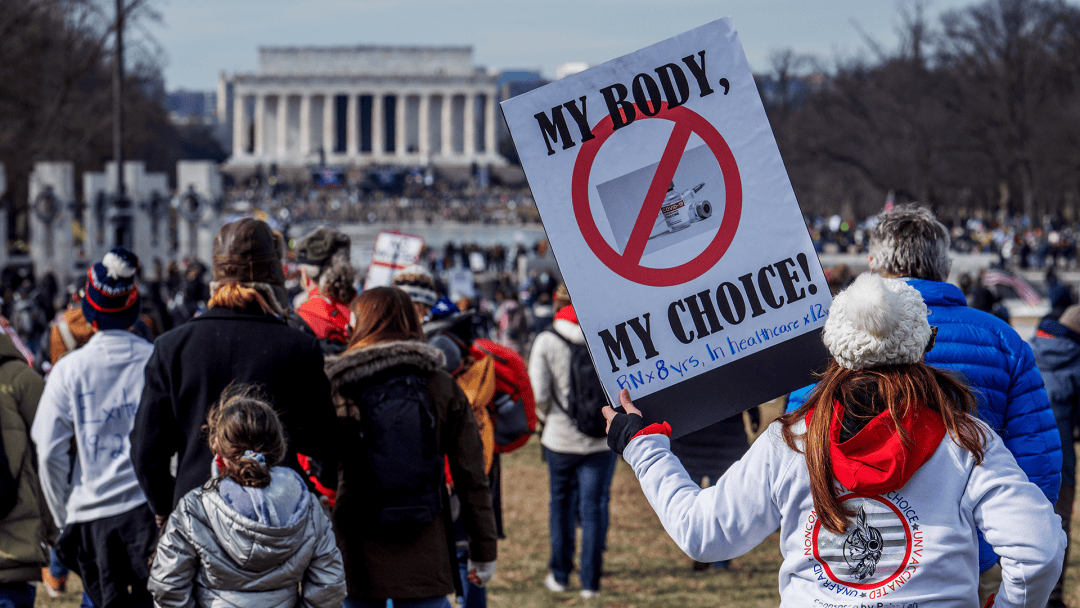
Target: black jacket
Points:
(185, 376)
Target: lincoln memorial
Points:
(361, 105)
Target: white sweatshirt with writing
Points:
(915, 546)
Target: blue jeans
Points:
(592, 474)
(475, 597)
(17, 595)
(424, 602)
(56, 568)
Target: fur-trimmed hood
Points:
(355, 365)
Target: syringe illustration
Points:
(681, 210)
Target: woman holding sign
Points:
(876, 484)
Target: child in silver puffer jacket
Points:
(253, 536)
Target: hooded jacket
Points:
(996, 362)
(1057, 353)
(28, 528)
(915, 543)
(549, 373)
(382, 565)
(212, 555)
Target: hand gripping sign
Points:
(679, 237)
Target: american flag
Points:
(1026, 292)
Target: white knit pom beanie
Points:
(877, 321)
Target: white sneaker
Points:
(589, 593)
(553, 585)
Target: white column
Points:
(399, 125)
(469, 126)
(329, 130)
(352, 126)
(240, 124)
(489, 125)
(259, 140)
(447, 133)
(424, 128)
(378, 126)
(282, 126)
(305, 125)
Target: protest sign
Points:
(667, 204)
(393, 253)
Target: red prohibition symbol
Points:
(628, 263)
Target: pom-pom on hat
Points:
(112, 297)
(877, 321)
(419, 284)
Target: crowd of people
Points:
(1018, 243)
(286, 440)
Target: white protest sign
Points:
(678, 234)
(393, 253)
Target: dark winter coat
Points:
(380, 565)
(25, 532)
(190, 367)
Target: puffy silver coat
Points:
(212, 556)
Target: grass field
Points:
(643, 567)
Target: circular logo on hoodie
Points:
(873, 553)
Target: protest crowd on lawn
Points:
(274, 434)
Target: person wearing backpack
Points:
(568, 400)
(403, 416)
(26, 528)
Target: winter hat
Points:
(877, 321)
(112, 297)
(567, 314)
(419, 284)
(317, 247)
(1071, 318)
(246, 251)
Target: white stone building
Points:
(361, 105)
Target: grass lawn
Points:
(643, 567)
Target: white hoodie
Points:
(913, 546)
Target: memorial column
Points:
(240, 123)
(489, 125)
(282, 126)
(378, 126)
(399, 125)
(329, 132)
(352, 126)
(424, 128)
(447, 144)
(305, 125)
(468, 127)
(259, 140)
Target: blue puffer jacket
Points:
(999, 366)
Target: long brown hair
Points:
(240, 421)
(897, 389)
(384, 314)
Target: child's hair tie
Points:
(255, 456)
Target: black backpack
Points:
(404, 469)
(587, 396)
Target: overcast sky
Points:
(204, 37)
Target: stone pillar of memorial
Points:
(52, 192)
